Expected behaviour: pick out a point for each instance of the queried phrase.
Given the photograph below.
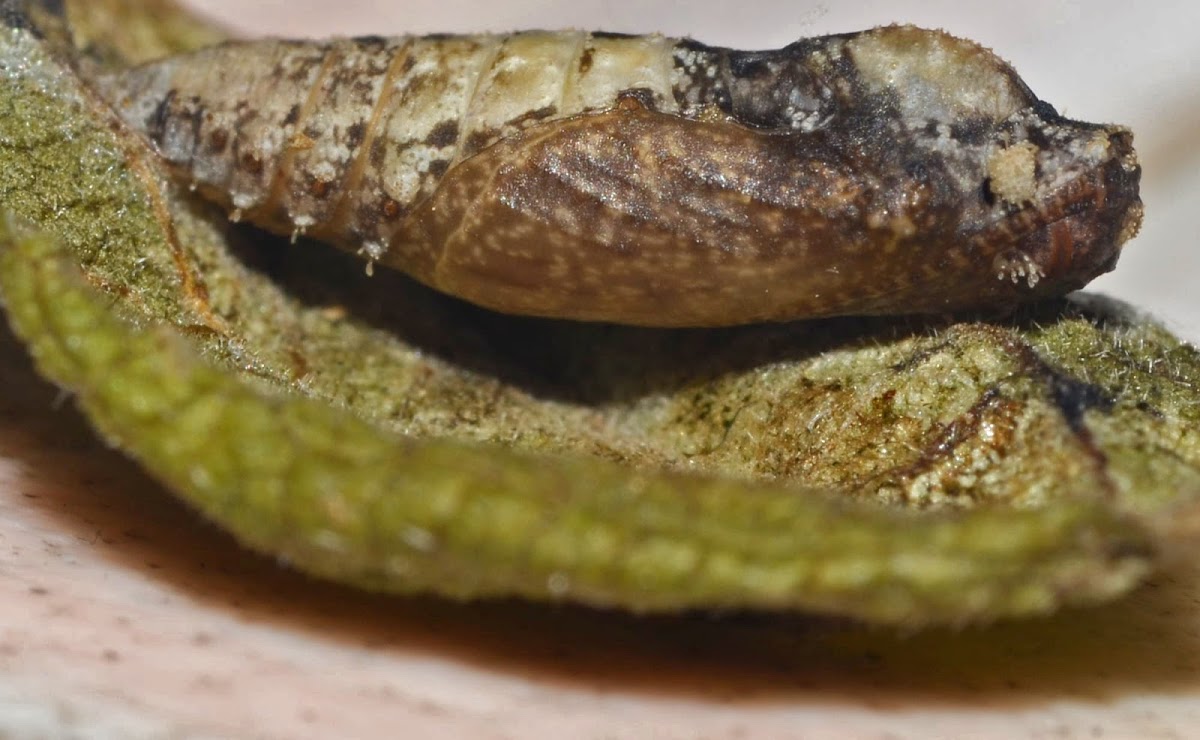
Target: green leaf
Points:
(370, 431)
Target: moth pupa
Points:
(655, 181)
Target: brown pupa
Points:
(655, 181)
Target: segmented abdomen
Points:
(341, 139)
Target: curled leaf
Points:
(338, 497)
(372, 432)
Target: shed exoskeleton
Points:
(655, 181)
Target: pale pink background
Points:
(122, 616)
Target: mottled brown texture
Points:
(653, 181)
(639, 217)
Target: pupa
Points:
(654, 181)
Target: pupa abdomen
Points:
(655, 181)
